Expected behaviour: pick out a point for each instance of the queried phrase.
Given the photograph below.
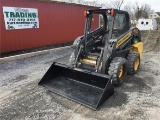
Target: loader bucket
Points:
(88, 88)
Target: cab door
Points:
(121, 24)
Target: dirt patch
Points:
(151, 40)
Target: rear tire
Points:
(133, 63)
(118, 69)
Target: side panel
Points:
(123, 39)
(137, 47)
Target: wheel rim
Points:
(121, 71)
(136, 64)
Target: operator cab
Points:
(112, 24)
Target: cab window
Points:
(120, 21)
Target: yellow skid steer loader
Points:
(101, 59)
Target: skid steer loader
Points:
(101, 59)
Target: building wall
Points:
(58, 23)
(155, 15)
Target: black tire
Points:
(133, 63)
(118, 65)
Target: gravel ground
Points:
(21, 97)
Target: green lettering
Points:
(6, 14)
(29, 15)
(17, 14)
(22, 14)
(26, 15)
(12, 14)
(34, 15)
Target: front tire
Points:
(118, 69)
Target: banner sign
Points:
(20, 18)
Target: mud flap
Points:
(88, 88)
